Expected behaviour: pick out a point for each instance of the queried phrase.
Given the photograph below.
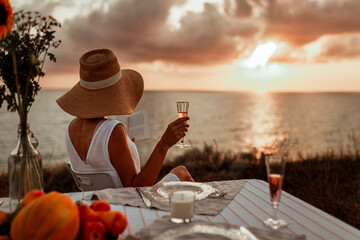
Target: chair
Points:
(91, 181)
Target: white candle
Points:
(182, 204)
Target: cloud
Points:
(46, 7)
(204, 38)
(289, 55)
(238, 8)
(138, 32)
(330, 48)
(301, 22)
(339, 47)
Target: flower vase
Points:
(24, 168)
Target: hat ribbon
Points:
(102, 83)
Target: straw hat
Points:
(104, 89)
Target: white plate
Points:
(201, 232)
(202, 190)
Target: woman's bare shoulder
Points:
(118, 133)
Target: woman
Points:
(96, 143)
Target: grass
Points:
(56, 178)
(329, 181)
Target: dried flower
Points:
(23, 53)
(24, 47)
(6, 17)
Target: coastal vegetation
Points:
(329, 181)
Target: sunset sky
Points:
(237, 45)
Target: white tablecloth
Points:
(249, 208)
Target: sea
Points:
(306, 123)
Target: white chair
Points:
(91, 181)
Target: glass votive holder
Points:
(182, 206)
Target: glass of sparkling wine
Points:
(275, 168)
(182, 109)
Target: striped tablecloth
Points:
(249, 208)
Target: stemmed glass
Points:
(275, 168)
(182, 109)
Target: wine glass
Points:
(275, 168)
(182, 109)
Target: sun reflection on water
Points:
(263, 122)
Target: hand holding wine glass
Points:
(182, 109)
(275, 168)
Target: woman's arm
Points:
(122, 160)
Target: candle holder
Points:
(182, 206)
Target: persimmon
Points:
(114, 221)
(30, 196)
(3, 218)
(93, 230)
(86, 213)
(100, 206)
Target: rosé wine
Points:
(182, 114)
(275, 185)
(182, 109)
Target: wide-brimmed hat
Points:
(104, 89)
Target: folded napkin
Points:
(118, 196)
(211, 205)
(198, 229)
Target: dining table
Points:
(249, 208)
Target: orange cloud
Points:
(340, 47)
(138, 32)
(289, 55)
(238, 8)
(301, 22)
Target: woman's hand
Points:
(174, 132)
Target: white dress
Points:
(98, 159)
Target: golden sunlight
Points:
(261, 55)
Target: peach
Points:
(93, 230)
(100, 206)
(3, 218)
(30, 196)
(114, 221)
(86, 213)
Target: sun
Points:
(261, 55)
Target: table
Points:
(249, 208)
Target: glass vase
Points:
(24, 167)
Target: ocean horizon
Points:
(310, 122)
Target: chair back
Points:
(92, 181)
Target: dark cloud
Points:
(204, 38)
(126, 27)
(137, 31)
(301, 22)
(238, 8)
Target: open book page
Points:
(139, 126)
(136, 125)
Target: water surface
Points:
(314, 122)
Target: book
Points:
(136, 125)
